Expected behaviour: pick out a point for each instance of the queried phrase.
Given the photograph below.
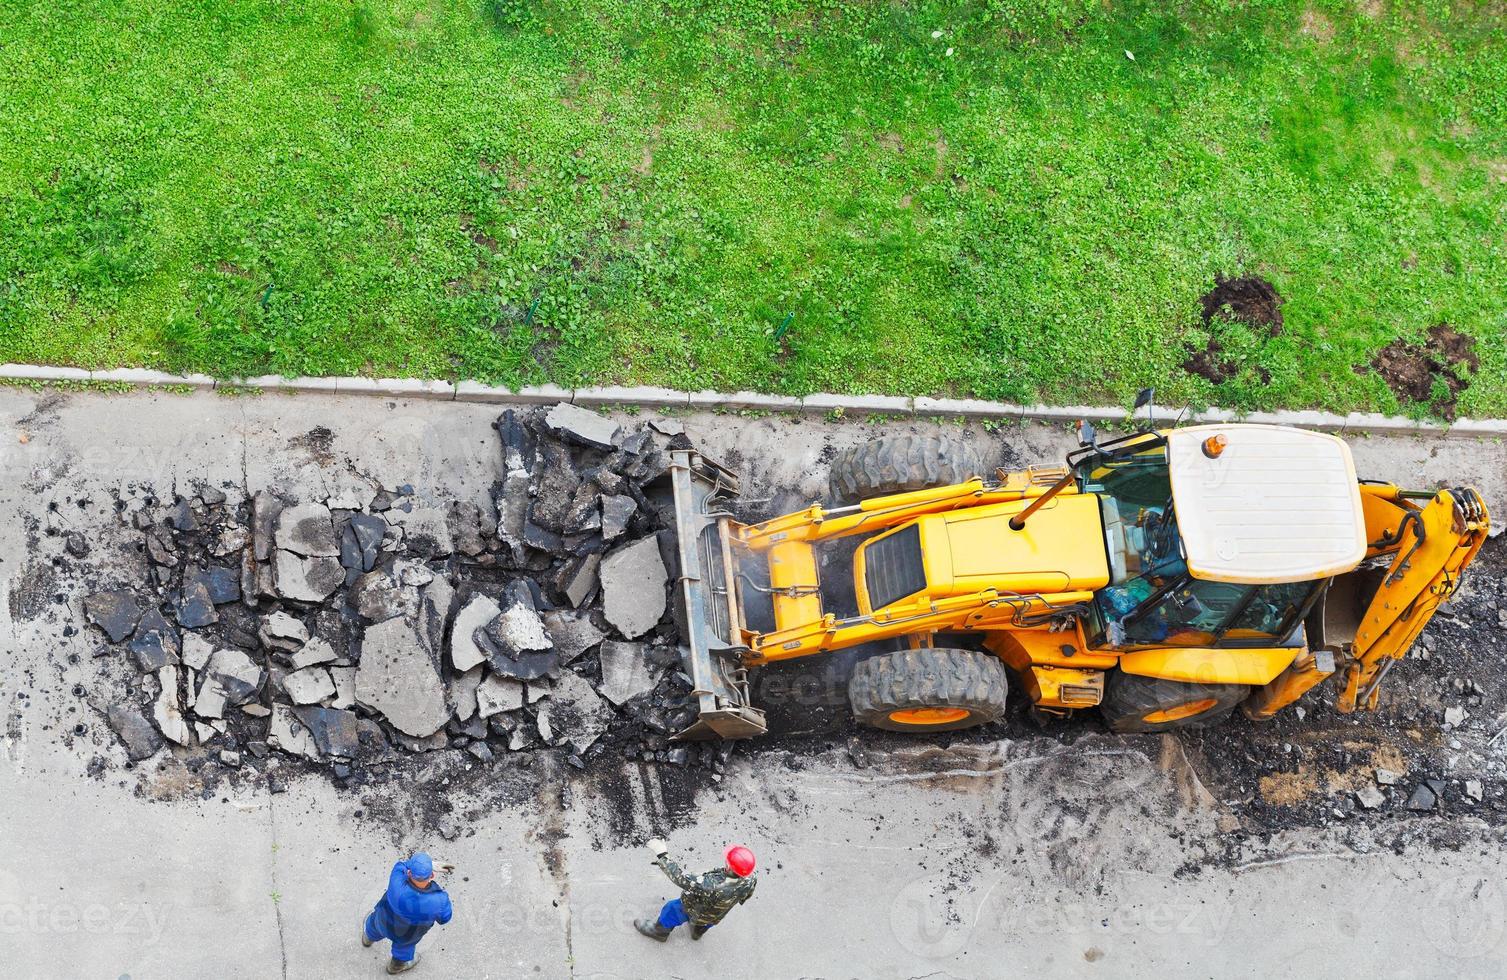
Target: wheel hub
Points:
(928, 716)
(1181, 711)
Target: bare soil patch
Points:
(1412, 370)
(1250, 300)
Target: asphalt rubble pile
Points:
(357, 629)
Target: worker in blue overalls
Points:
(413, 903)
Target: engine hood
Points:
(1061, 549)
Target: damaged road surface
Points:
(259, 647)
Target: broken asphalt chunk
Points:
(306, 579)
(573, 713)
(160, 547)
(512, 511)
(368, 531)
(138, 736)
(1422, 800)
(167, 711)
(264, 510)
(463, 692)
(306, 530)
(181, 516)
(221, 584)
(436, 606)
(625, 674)
(236, 675)
(553, 487)
(517, 628)
(308, 686)
(115, 612)
(577, 578)
(464, 652)
(155, 644)
(344, 679)
(515, 641)
(314, 652)
(572, 633)
(541, 539)
(335, 731)
(378, 596)
(399, 679)
(633, 581)
(469, 527)
(195, 609)
(196, 651)
(210, 701)
(497, 694)
(288, 732)
(281, 631)
(617, 511)
(424, 531)
(581, 426)
(517, 442)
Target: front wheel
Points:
(928, 690)
(1133, 703)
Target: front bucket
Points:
(710, 620)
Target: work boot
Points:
(364, 941)
(398, 966)
(653, 930)
(698, 931)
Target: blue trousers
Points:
(673, 914)
(404, 941)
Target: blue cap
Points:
(421, 866)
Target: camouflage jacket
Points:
(708, 897)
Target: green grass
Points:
(630, 192)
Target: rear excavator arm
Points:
(1430, 544)
(1371, 616)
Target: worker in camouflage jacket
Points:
(704, 899)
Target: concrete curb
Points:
(660, 398)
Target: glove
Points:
(445, 866)
(658, 848)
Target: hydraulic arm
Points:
(1431, 545)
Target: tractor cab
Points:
(1220, 536)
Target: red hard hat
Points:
(740, 860)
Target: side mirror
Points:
(1146, 399)
(1087, 436)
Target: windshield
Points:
(1186, 611)
(1140, 530)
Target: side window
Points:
(1270, 609)
(1189, 615)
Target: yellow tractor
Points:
(1164, 577)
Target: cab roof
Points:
(1278, 504)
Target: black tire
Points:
(898, 464)
(1129, 700)
(935, 681)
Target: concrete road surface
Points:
(1023, 857)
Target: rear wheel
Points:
(928, 690)
(899, 464)
(1150, 704)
